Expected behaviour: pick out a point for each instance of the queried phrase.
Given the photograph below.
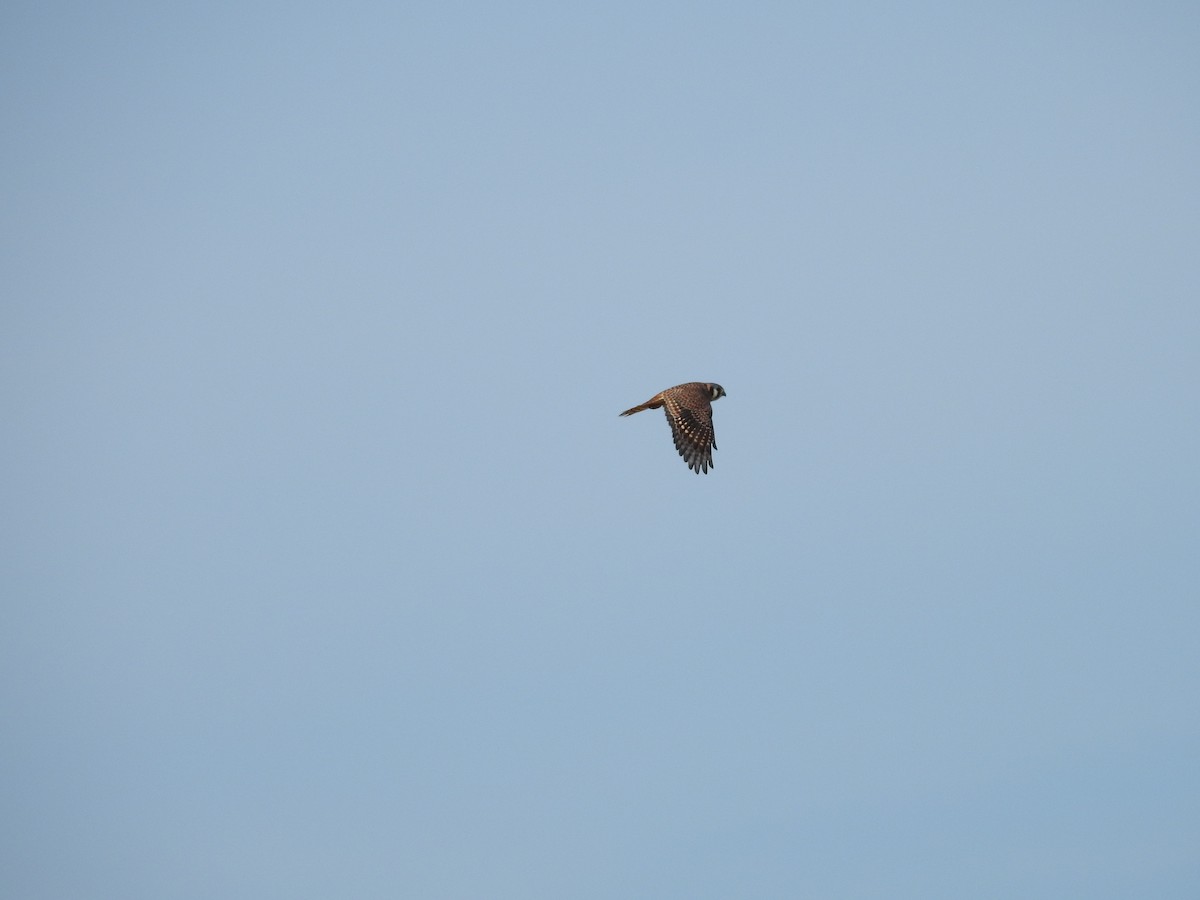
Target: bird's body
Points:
(689, 411)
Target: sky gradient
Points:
(329, 569)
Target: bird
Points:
(689, 410)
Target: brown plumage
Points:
(689, 410)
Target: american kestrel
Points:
(689, 410)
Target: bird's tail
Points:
(636, 409)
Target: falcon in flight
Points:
(689, 410)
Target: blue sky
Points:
(330, 570)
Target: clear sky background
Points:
(329, 569)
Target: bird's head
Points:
(716, 391)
